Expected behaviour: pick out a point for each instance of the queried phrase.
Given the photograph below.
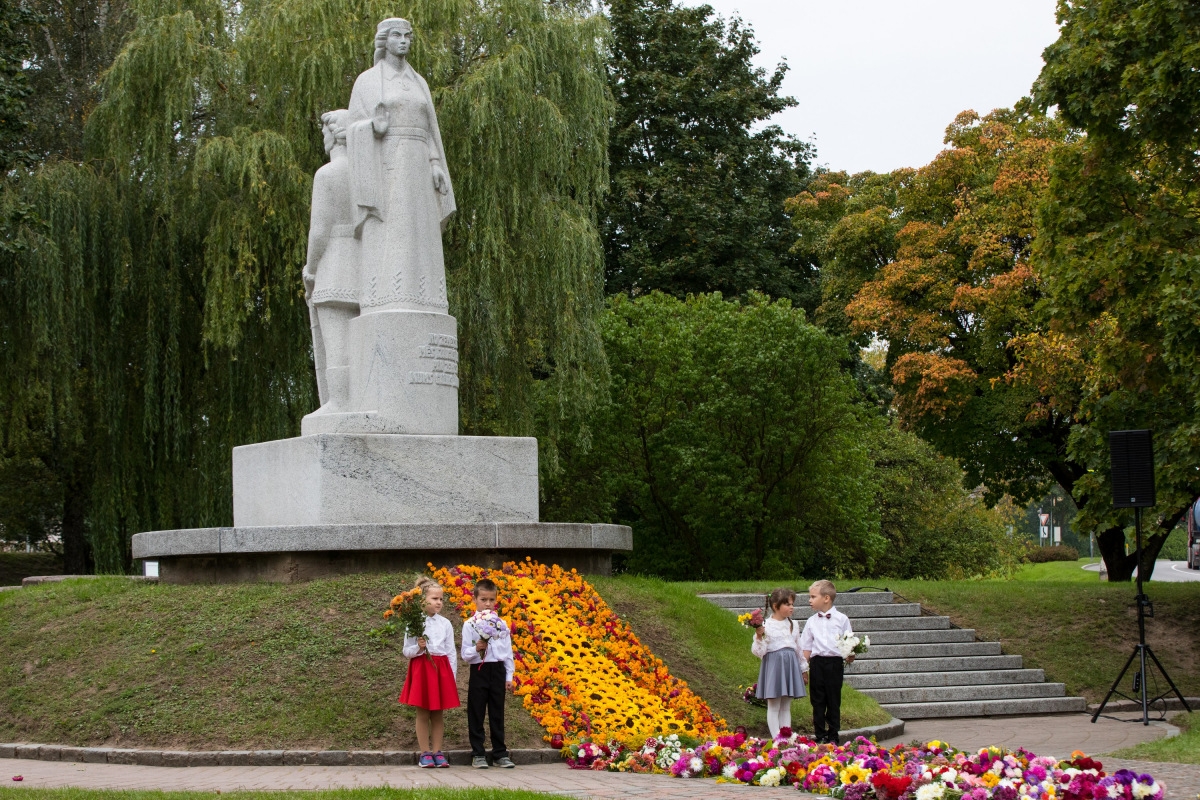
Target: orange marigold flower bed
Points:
(580, 668)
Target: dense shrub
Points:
(733, 444)
(1058, 552)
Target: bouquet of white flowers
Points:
(851, 645)
(488, 625)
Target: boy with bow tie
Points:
(819, 642)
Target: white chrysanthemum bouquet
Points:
(851, 645)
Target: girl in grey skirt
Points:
(783, 672)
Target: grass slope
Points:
(129, 664)
(1181, 749)
(704, 645)
(1079, 631)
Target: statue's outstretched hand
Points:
(441, 182)
(381, 119)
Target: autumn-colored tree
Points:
(936, 262)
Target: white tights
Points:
(779, 714)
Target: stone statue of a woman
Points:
(402, 192)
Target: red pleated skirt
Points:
(430, 684)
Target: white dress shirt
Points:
(779, 635)
(821, 633)
(499, 648)
(439, 640)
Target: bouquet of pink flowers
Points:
(752, 620)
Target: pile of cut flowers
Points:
(580, 669)
(862, 770)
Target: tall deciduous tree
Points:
(1119, 253)
(697, 194)
(936, 262)
(154, 308)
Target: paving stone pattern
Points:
(920, 667)
(1050, 735)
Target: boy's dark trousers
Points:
(825, 694)
(485, 693)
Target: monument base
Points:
(332, 479)
(288, 554)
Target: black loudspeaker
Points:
(1132, 455)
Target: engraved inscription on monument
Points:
(442, 351)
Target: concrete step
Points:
(868, 666)
(894, 680)
(931, 650)
(853, 612)
(918, 637)
(947, 694)
(871, 624)
(758, 600)
(987, 708)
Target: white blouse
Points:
(777, 635)
(439, 640)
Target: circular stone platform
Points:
(289, 553)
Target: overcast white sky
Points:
(878, 81)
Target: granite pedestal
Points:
(338, 479)
(291, 553)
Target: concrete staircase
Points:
(919, 666)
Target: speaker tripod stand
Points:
(1141, 650)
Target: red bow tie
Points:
(826, 616)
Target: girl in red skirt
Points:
(430, 684)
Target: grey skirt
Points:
(779, 675)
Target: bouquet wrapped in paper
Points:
(752, 620)
(851, 645)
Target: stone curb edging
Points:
(891, 728)
(1169, 703)
(298, 758)
(251, 758)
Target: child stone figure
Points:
(780, 677)
(429, 684)
(489, 655)
(819, 642)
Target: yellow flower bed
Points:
(580, 667)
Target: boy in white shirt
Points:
(491, 668)
(819, 642)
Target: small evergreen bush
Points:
(1059, 552)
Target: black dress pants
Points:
(485, 694)
(825, 694)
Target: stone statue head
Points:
(333, 128)
(384, 29)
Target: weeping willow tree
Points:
(151, 303)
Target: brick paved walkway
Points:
(1053, 735)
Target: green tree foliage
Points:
(153, 313)
(1119, 252)
(696, 203)
(934, 529)
(69, 43)
(733, 444)
(14, 83)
